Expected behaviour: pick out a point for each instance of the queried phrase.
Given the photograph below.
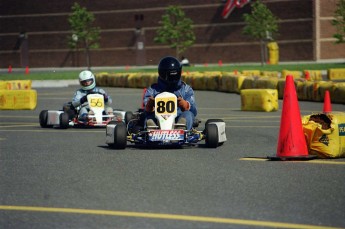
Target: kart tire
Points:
(128, 116)
(64, 120)
(213, 120)
(120, 135)
(211, 135)
(44, 119)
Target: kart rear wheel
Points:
(44, 119)
(211, 138)
(64, 120)
(120, 135)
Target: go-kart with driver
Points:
(166, 132)
(96, 117)
(89, 107)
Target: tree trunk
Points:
(88, 62)
(263, 51)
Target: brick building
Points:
(34, 32)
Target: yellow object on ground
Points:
(273, 51)
(259, 100)
(325, 134)
(18, 99)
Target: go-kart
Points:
(68, 117)
(167, 132)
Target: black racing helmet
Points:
(169, 70)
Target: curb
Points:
(53, 83)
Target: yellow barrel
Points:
(18, 99)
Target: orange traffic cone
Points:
(27, 70)
(291, 143)
(10, 69)
(220, 63)
(327, 107)
(307, 75)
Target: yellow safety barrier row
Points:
(15, 84)
(18, 99)
(311, 89)
(336, 74)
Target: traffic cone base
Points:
(292, 158)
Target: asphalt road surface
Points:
(53, 178)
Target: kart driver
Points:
(88, 86)
(169, 80)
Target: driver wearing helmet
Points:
(169, 80)
(88, 86)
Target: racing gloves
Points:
(83, 99)
(150, 104)
(183, 104)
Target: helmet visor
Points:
(86, 83)
(171, 76)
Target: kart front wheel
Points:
(43, 119)
(120, 135)
(213, 120)
(64, 120)
(211, 138)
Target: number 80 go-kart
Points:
(166, 133)
(69, 117)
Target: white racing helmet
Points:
(87, 80)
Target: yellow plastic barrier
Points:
(251, 72)
(295, 74)
(270, 73)
(18, 84)
(212, 80)
(336, 74)
(266, 83)
(259, 100)
(102, 79)
(230, 82)
(18, 99)
(325, 134)
(313, 74)
(248, 82)
(3, 85)
(338, 93)
(273, 50)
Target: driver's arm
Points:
(76, 98)
(189, 97)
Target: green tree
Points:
(84, 35)
(261, 25)
(339, 22)
(176, 30)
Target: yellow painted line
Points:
(164, 216)
(315, 161)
